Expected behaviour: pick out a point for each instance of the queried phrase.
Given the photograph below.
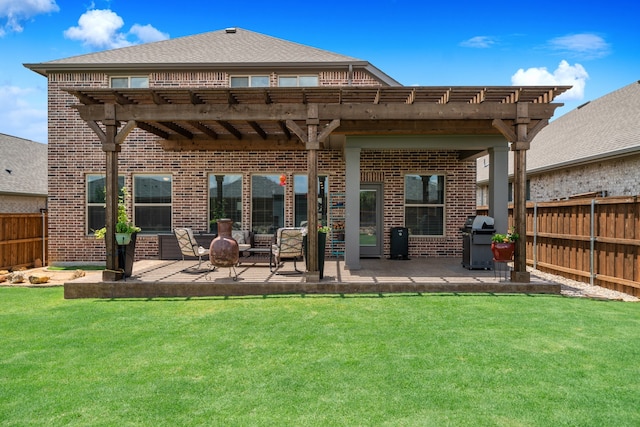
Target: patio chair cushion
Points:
(239, 236)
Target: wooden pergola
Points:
(286, 119)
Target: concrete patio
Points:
(157, 278)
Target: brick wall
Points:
(22, 204)
(75, 151)
(459, 197)
(616, 177)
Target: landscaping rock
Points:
(38, 280)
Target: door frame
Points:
(376, 251)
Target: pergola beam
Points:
(276, 112)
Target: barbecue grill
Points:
(476, 242)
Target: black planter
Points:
(322, 243)
(126, 255)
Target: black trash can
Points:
(399, 243)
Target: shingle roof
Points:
(222, 49)
(603, 128)
(23, 166)
(230, 46)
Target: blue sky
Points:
(591, 45)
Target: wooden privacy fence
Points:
(23, 239)
(590, 240)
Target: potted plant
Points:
(503, 245)
(216, 213)
(125, 236)
(124, 227)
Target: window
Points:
(267, 204)
(297, 81)
(225, 198)
(96, 200)
(249, 81)
(300, 190)
(152, 203)
(129, 82)
(424, 204)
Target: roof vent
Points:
(231, 30)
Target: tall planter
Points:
(322, 244)
(502, 251)
(127, 255)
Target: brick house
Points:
(23, 175)
(591, 151)
(255, 126)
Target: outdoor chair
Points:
(288, 245)
(188, 244)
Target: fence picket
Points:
(21, 239)
(561, 241)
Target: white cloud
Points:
(481, 42)
(564, 75)
(20, 114)
(101, 29)
(587, 46)
(17, 11)
(147, 33)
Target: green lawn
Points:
(395, 360)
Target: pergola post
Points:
(111, 149)
(313, 145)
(520, 147)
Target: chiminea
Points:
(223, 251)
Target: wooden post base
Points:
(521, 276)
(112, 275)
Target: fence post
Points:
(592, 243)
(44, 238)
(535, 235)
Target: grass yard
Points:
(395, 360)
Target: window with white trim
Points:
(267, 203)
(121, 82)
(96, 200)
(424, 207)
(298, 81)
(152, 202)
(225, 198)
(249, 81)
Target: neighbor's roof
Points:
(604, 128)
(231, 48)
(23, 166)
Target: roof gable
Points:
(23, 166)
